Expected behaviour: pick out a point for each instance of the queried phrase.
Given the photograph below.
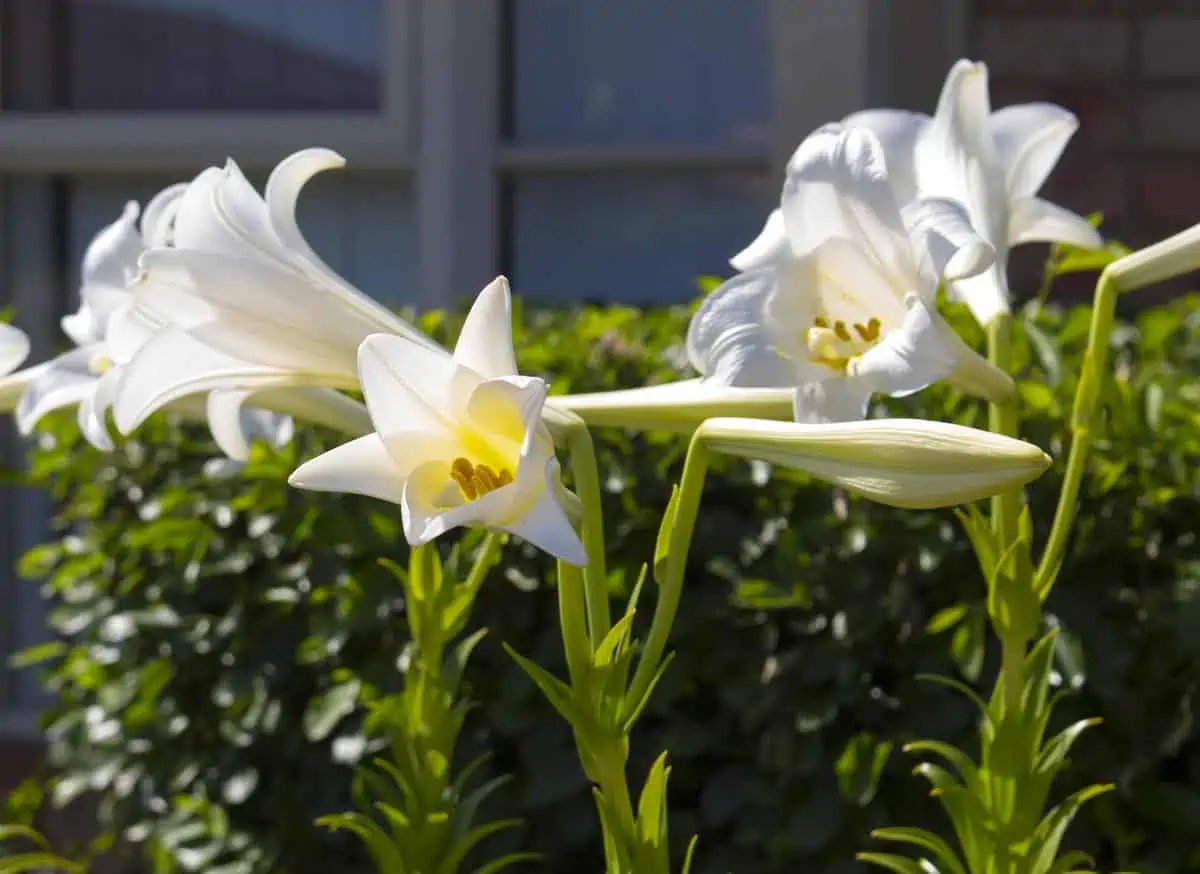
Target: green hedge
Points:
(219, 632)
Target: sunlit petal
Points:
(360, 467)
(1034, 220)
(769, 246)
(485, 343)
(1030, 138)
(728, 340)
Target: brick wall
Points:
(1130, 69)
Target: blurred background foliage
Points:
(218, 633)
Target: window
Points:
(666, 113)
(141, 55)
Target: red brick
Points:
(989, 8)
(1169, 46)
(1168, 192)
(1171, 119)
(1087, 185)
(1060, 47)
(1104, 109)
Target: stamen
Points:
(477, 480)
(463, 473)
(821, 322)
(839, 328)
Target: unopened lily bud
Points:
(910, 463)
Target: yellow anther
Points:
(820, 322)
(839, 328)
(476, 480)
(869, 332)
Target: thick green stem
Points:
(670, 590)
(1006, 506)
(614, 794)
(1083, 413)
(587, 486)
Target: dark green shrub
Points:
(217, 633)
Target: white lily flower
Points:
(458, 439)
(992, 162)
(86, 376)
(241, 301)
(910, 463)
(847, 309)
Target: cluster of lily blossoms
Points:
(213, 304)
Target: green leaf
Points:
(860, 766)
(967, 770)
(652, 805)
(1049, 834)
(662, 545)
(946, 618)
(898, 864)
(325, 711)
(943, 856)
(557, 692)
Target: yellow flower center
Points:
(476, 480)
(100, 364)
(836, 346)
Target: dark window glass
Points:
(677, 72)
(133, 55)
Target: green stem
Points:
(683, 523)
(572, 617)
(1083, 413)
(1003, 419)
(587, 486)
(614, 793)
(1006, 506)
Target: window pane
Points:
(632, 238)
(221, 54)
(361, 224)
(642, 71)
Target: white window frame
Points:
(90, 142)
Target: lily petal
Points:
(837, 186)
(158, 217)
(546, 526)
(174, 364)
(111, 257)
(831, 400)
(92, 413)
(908, 359)
(361, 467)
(282, 195)
(399, 380)
(946, 244)
(66, 382)
(769, 246)
(728, 340)
(1030, 138)
(14, 385)
(14, 347)
(319, 406)
(235, 426)
(485, 343)
(898, 131)
(1033, 220)
(285, 327)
